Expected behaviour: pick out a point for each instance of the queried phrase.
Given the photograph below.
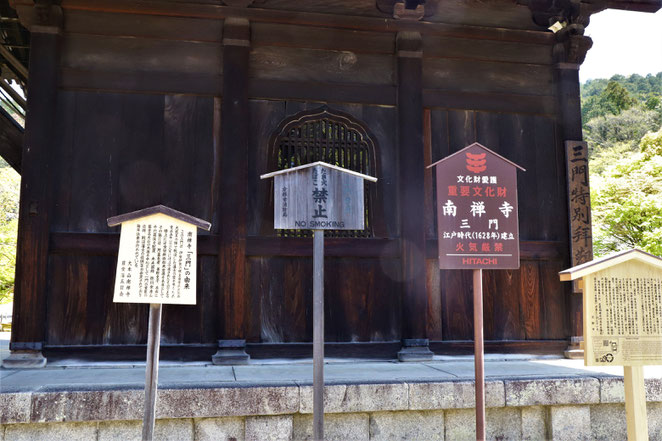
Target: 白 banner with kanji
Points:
(477, 216)
(156, 261)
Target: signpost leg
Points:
(152, 369)
(318, 335)
(478, 354)
(635, 403)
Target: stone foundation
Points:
(586, 408)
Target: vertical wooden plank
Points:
(457, 305)
(635, 403)
(97, 140)
(265, 117)
(433, 287)
(550, 199)
(297, 286)
(570, 129)
(231, 197)
(98, 297)
(29, 314)
(382, 123)
(140, 153)
(553, 295)
(179, 145)
(63, 159)
(461, 129)
(67, 302)
(411, 183)
(507, 325)
(203, 159)
(530, 300)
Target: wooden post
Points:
(230, 197)
(152, 369)
(412, 195)
(318, 335)
(478, 354)
(635, 403)
(28, 333)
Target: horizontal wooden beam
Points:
(341, 93)
(491, 102)
(141, 82)
(207, 11)
(366, 350)
(108, 243)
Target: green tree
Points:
(627, 127)
(9, 195)
(627, 200)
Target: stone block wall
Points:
(564, 409)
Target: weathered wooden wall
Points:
(139, 123)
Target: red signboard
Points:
(477, 220)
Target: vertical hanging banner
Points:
(477, 216)
(579, 204)
(157, 256)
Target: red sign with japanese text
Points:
(477, 220)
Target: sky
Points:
(624, 42)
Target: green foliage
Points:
(626, 127)
(9, 196)
(626, 199)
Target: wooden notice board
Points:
(156, 260)
(622, 309)
(477, 215)
(319, 196)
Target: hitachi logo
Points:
(479, 261)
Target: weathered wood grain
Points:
(143, 26)
(125, 54)
(488, 77)
(294, 64)
(486, 50)
(275, 34)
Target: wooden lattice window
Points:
(332, 137)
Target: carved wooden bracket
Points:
(572, 17)
(403, 9)
(39, 15)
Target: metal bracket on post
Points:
(415, 349)
(231, 352)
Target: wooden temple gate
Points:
(185, 104)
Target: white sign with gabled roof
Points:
(157, 257)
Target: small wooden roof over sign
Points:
(313, 164)
(158, 209)
(459, 152)
(608, 261)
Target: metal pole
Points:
(478, 354)
(152, 369)
(318, 335)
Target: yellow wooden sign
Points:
(622, 296)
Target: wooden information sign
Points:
(156, 264)
(477, 227)
(477, 216)
(622, 298)
(318, 197)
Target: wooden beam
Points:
(36, 185)
(231, 198)
(411, 187)
(377, 24)
(11, 141)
